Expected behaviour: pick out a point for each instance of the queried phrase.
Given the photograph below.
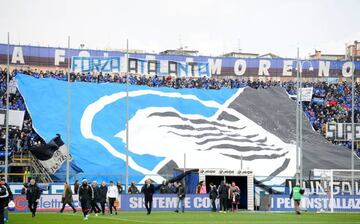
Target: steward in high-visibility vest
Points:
(27, 175)
(296, 195)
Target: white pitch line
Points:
(220, 222)
(111, 218)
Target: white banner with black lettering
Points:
(16, 118)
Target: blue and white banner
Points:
(164, 123)
(95, 64)
(179, 65)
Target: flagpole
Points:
(352, 122)
(7, 111)
(297, 117)
(184, 171)
(300, 126)
(68, 118)
(127, 115)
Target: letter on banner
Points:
(203, 69)
(287, 67)
(215, 66)
(172, 68)
(357, 132)
(96, 64)
(240, 63)
(191, 68)
(84, 54)
(346, 187)
(17, 55)
(150, 67)
(324, 68)
(348, 69)
(123, 66)
(133, 65)
(59, 56)
(264, 66)
(106, 65)
(84, 64)
(182, 69)
(141, 64)
(164, 67)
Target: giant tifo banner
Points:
(164, 124)
(179, 65)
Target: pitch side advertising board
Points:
(161, 202)
(47, 203)
(349, 203)
(196, 202)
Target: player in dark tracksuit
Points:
(223, 196)
(4, 194)
(8, 199)
(148, 189)
(213, 195)
(33, 193)
(95, 198)
(181, 192)
(102, 192)
(85, 197)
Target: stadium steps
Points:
(20, 161)
(42, 175)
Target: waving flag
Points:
(52, 157)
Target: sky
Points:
(212, 27)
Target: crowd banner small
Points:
(16, 118)
(306, 94)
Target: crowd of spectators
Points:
(20, 141)
(151, 81)
(331, 102)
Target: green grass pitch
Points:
(187, 217)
